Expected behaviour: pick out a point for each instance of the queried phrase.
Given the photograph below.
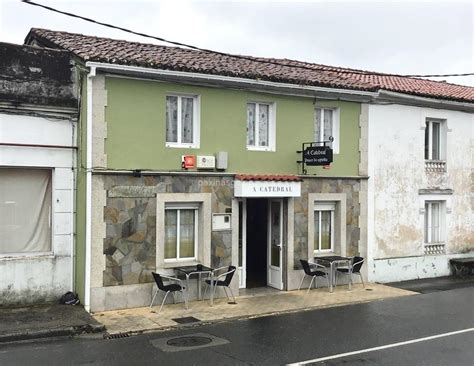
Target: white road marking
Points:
(340, 355)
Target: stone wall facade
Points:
(130, 217)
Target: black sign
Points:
(317, 155)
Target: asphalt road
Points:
(389, 332)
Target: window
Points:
(25, 211)
(324, 227)
(182, 127)
(435, 133)
(260, 127)
(181, 233)
(434, 219)
(326, 124)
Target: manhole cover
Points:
(192, 341)
(188, 342)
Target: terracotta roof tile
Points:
(274, 178)
(89, 48)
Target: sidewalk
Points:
(428, 285)
(42, 321)
(266, 303)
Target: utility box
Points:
(221, 222)
(206, 162)
(221, 160)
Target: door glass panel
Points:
(186, 233)
(316, 230)
(171, 221)
(275, 234)
(435, 147)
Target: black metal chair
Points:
(354, 268)
(223, 280)
(314, 274)
(170, 288)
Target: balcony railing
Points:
(435, 248)
(438, 166)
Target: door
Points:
(275, 243)
(242, 243)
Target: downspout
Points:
(87, 280)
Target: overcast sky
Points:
(405, 37)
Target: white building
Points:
(420, 193)
(38, 112)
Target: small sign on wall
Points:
(221, 221)
(188, 161)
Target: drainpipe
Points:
(87, 281)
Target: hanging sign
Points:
(317, 155)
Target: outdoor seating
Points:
(223, 280)
(170, 288)
(314, 274)
(354, 268)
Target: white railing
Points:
(435, 248)
(435, 166)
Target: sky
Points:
(402, 37)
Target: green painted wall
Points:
(135, 116)
(81, 199)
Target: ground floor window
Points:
(324, 227)
(434, 222)
(181, 232)
(25, 210)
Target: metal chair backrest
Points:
(159, 281)
(230, 274)
(357, 264)
(306, 267)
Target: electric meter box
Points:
(221, 222)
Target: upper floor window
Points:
(260, 126)
(182, 121)
(435, 139)
(326, 124)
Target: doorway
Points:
(260, 242)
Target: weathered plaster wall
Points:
(35, 278)
(397, 171)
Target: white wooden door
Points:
(275, 244)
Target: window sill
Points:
(175, 264)
(26, 256)
(181, 146)
(256, 148)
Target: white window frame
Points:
(271, 127)
(179, 207)
(335, 126)
(196, 122)
(442, 138)
(427, 239)
(319, 207)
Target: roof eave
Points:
(234, 82)
(386, 96)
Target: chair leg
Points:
(335, 278)
(362, 279)
(226, 294)
(153, 299)
(174, 298)
(163, 302)
(327, 280)
(185, 298)
(232, 293)
(205, 290)
(214, 292)
(309, 287)
(301, 282)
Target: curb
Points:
(70, 331)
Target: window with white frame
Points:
(260, 126)
(181, 232)
(324, 227)
(182, 121)
(435, 139)
(326, 124)
(25, 211)
(434, 222)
